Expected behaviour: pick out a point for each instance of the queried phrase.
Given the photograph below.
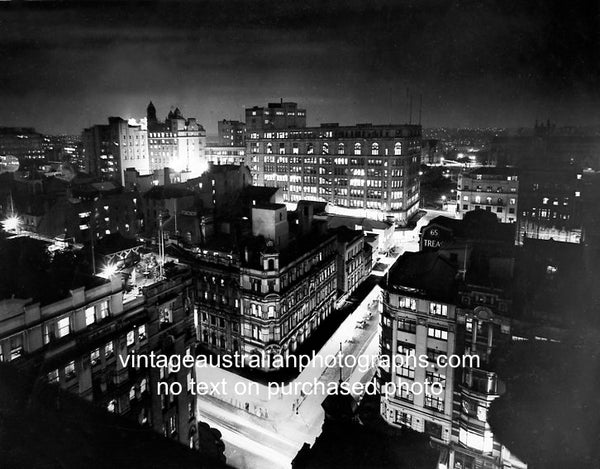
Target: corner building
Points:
(365, 170)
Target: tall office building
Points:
(365, 170)
(432, 311)
(176, 143)
(280, 115)
(111, 149)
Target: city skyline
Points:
(69, 65)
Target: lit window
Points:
(90, 315)
(409, 303)
(53, 376)
(103, 310)
(357, 148)
(130, 338)
(437, 333)
(438, 309)
(397, 148)
(70, 370)
(64, 327)
(142, 332)
(16, 347)
(95, 357)
(166, 315)
(112, 406)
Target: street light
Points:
(11, 223)
(108, 271)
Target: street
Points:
(262, 431)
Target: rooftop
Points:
(424, 274)
(476, 225)
(168, 192)
(27, 270)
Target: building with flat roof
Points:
(231, 133)
(23, 143)
(493, 189)
(281, 115)
(431, 311)
(221, 154)
(365, 170)
(110, 149)
(79, 333)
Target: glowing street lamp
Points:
(11, 223)
(108, 271)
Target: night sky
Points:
(65, 66)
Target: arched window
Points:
(357, 148)
(341, 149)
(213, 339)
(269, 148)
(310, 149)
(223, 342)
(271, 264)
(397, 148)
(205, 336)
(375, 149)
(325, 148)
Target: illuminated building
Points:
(493, 189)
(419, 317)
(551, 204)
(231, 133)
(365, 170)
(92, 210)
(288, 284)
(79, 338)
(23, 143)
(111, 149)
(280, 115)
(267, 290)
(432, 310)
(176, 143)
(218, 154)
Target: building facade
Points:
(110, 149)
(493, 189)
(280, 115)
(80, 342)
(221, 154)
(23, 143)
(364, 170)
(432, 311)
(551, 205)
(177, 143)
(287, 289)
(231, 133)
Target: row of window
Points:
(309, 148)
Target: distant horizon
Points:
(490, 63)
